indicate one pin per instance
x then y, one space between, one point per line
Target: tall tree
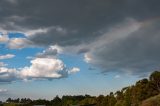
155 80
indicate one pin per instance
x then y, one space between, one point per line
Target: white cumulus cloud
44 68
45 65
74 70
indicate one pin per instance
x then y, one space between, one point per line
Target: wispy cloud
3 90
2 64
117 76
7 56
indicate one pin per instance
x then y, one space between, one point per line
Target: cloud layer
113 35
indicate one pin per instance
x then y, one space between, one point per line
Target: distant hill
152 101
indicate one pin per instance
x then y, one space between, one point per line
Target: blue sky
76 47
84 82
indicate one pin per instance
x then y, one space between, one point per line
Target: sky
76 47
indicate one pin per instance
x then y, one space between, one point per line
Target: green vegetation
135 95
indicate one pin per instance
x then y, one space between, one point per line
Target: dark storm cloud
80 22
81 19
137 53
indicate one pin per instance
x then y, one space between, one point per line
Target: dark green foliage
56 101
1 103
155 80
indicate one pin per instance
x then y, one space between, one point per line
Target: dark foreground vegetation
143 93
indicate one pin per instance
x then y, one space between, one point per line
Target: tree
99 100
155 80
9 100
119 95
127 97
1 103
112 99
56 101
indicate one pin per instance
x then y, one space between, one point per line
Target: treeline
128 96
